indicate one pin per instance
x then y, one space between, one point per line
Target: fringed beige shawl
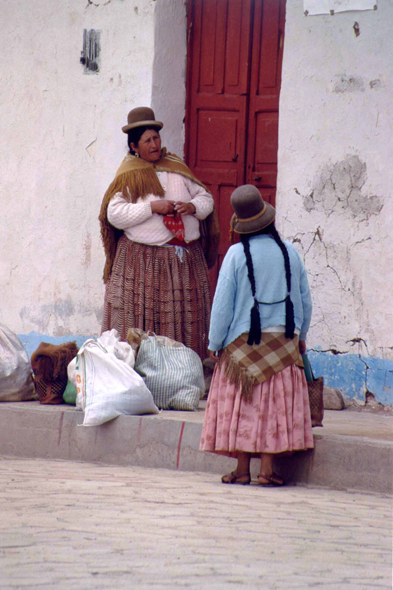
136 178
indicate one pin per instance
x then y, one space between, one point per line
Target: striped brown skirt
151 288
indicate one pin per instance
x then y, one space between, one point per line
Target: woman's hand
185 208
212 355
163 207
302 346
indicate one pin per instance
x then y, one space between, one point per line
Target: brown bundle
49 363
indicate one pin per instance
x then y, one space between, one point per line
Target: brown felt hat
252 213
141 117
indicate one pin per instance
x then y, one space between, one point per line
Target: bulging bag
16 379
108 387
172 372
49 363
110 340
315 393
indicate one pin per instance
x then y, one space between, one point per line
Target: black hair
134 135
254 335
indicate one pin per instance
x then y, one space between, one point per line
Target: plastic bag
16 380
69 395
110 340
108 387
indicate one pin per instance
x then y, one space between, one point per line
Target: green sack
69 395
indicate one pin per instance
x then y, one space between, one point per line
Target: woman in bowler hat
258 402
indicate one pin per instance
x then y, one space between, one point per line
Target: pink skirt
277 420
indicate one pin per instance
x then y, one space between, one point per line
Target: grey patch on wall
90 54
62 310
375 84
349 84
57 315
339 186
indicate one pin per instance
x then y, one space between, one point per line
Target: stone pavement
354 450
81 526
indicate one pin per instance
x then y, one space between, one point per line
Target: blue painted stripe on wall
350 373
355 374
32 340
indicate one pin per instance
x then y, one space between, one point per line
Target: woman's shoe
234 478
270 480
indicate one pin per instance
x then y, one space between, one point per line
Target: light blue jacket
233 299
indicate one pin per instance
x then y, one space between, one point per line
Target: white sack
110 340
108 387
16 381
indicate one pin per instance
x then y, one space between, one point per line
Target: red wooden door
234 65
266 62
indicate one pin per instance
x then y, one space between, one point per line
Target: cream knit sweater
141 225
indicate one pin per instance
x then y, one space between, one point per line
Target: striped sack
173 374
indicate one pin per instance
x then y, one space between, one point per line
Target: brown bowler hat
252 213
141 117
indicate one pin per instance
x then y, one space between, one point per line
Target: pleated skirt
276 420
152 288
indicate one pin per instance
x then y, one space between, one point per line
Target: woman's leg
266 464
243 463
241 474
267 475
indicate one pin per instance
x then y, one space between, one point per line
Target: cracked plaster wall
335 183
61 145
169 71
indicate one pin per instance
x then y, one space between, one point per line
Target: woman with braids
156 271
258 402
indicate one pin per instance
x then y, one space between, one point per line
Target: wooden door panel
218 101
216 177
266 140
217 113
238 47
210 22
217 136
266 147
233 83
269 21
268 74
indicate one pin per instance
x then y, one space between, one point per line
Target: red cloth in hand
175 225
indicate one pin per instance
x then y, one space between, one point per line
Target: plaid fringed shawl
136 178
246 365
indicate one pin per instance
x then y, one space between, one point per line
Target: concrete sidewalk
353 450
83 526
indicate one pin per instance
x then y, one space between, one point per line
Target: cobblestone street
86 526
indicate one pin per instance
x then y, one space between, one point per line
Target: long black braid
255 325
254 334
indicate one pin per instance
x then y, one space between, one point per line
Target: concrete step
353 450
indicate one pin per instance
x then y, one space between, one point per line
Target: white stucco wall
169 71
61 144
335 178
